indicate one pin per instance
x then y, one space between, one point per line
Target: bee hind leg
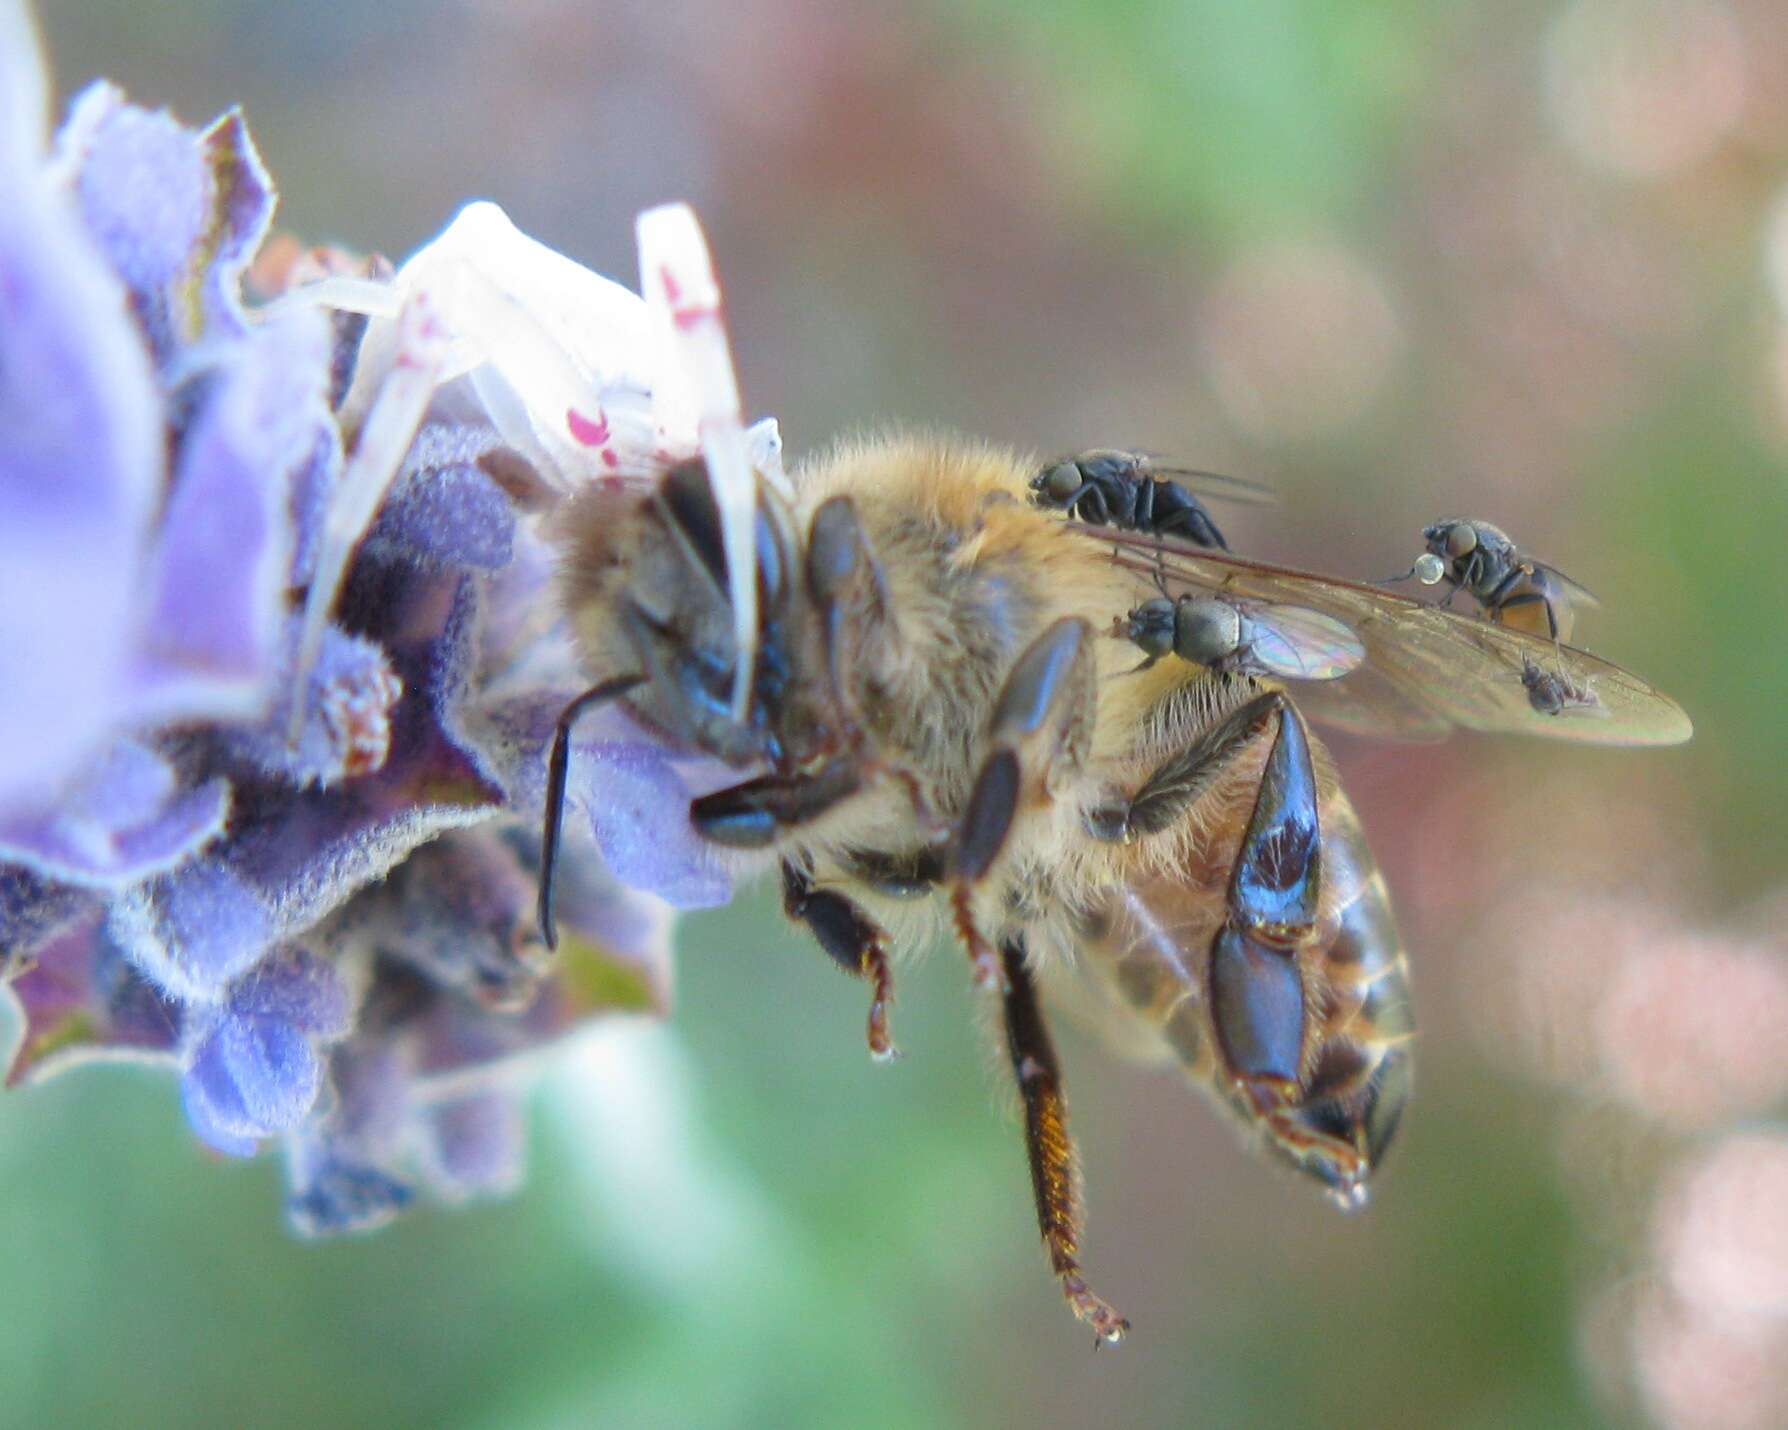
1260 1006
1042 721
1184 778
1051 1150
852 940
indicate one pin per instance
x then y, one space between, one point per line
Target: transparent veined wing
1426 670
1295 643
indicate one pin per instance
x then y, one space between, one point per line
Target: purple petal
79 476
22 90
194 930
638 807
249 1077
444 508
241 213
79 1000
218 573
330 1196
462 910
123 820
298 988
634 793
476 1146
214 1113
308 505
143 188
33 911
372 1098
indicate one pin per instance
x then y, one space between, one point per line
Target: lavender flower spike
280 654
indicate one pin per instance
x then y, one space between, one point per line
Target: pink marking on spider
609 459
687 318
684 315
590 434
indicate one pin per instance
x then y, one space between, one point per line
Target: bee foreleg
751 815
1043 719
1054 1178
558 766
850 594
852 940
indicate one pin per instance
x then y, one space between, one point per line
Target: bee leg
1183 779
557 767
1259 1000
751 815
850 594
1043 719
1046 1140
846 586
852 940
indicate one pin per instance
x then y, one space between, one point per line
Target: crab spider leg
385 436
677 280
370 296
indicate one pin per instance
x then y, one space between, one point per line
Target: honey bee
932 730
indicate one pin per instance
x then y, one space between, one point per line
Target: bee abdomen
1162 942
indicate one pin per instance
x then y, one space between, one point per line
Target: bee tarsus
1054 1179
853 940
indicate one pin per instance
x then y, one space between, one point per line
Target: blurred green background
1526 261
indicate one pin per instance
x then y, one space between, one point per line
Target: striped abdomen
1344 1000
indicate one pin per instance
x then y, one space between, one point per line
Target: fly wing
1242 490
1426 669
1579 594
1299 644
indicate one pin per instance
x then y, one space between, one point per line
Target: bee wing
1300 644
1426 670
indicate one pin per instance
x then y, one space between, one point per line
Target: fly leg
851 939
1054 1177
1041 723
1521 588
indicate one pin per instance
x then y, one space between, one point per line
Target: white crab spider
584 378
